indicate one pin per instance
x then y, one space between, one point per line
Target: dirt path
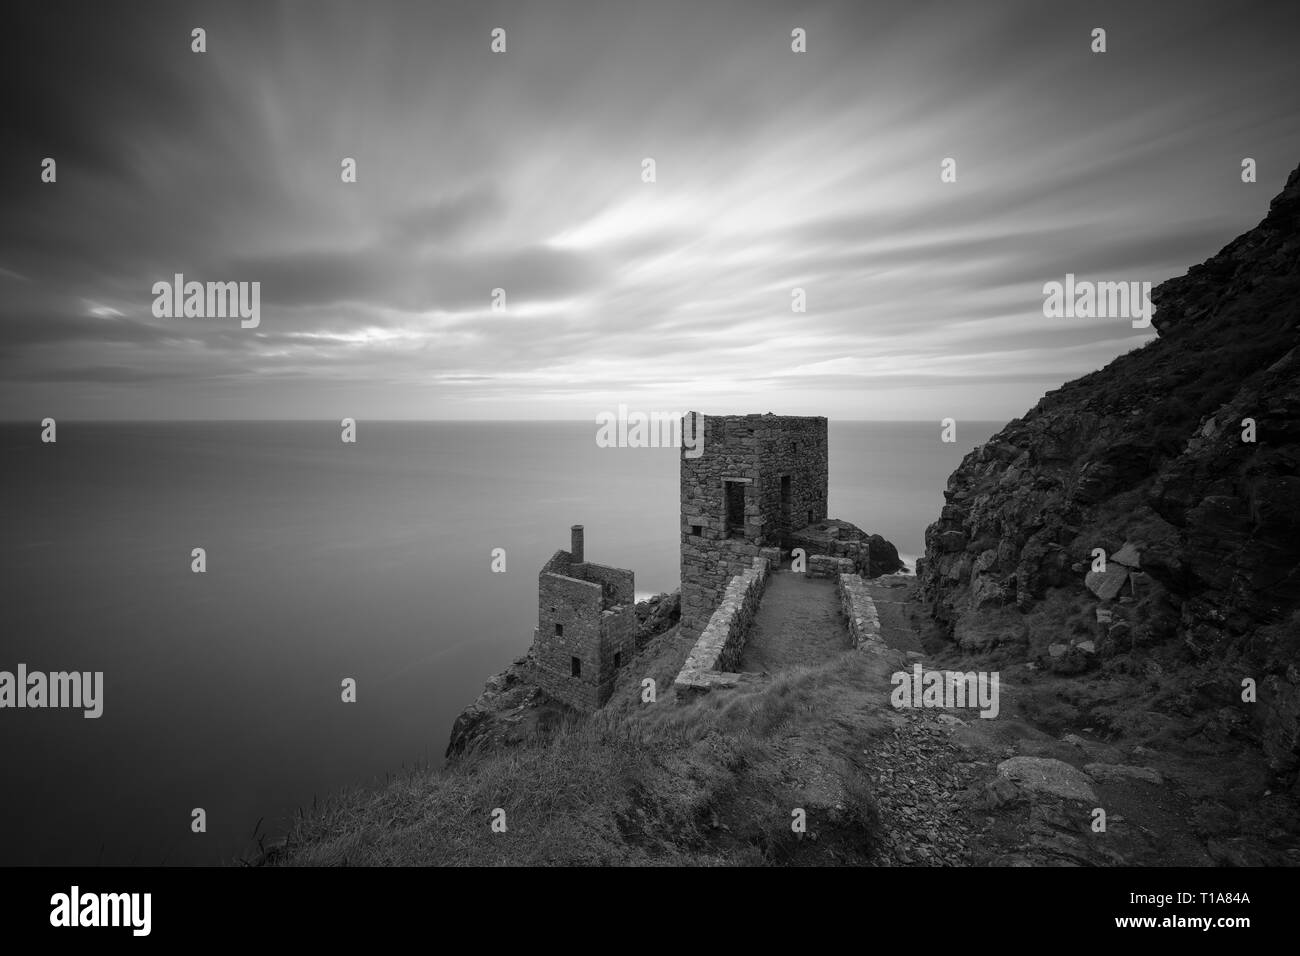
798 622
895 604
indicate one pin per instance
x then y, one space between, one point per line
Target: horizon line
429 421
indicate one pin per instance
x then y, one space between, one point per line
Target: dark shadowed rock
1108 772
656 615
870 553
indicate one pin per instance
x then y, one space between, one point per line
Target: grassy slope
713 782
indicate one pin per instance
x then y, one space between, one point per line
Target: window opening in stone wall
735 493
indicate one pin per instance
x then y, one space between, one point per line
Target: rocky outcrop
656 615
871 554
1180 461
502 714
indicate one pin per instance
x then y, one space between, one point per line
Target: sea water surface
325 561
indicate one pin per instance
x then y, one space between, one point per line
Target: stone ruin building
586 626
754 496
753 489
760 479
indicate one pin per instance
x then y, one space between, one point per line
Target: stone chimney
575 545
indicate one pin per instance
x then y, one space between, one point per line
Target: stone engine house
758 480
586 626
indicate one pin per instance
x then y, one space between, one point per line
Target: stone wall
864 624
707 567
618 584
576 606
753 453
717 653
618 646
826 566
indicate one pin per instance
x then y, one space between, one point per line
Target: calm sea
324 561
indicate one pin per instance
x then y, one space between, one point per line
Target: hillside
1146 460
709 783
717 781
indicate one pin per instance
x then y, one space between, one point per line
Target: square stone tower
759 479
586 626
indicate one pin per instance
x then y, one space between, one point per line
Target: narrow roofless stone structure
586 626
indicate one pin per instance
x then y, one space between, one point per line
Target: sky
523 171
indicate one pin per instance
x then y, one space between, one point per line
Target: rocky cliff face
1149 459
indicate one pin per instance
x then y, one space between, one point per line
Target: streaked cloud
522 172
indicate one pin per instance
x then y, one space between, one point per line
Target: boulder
1045 775
1127 556
1067 659
1107 584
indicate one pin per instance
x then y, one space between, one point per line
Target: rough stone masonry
760 479
586 626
